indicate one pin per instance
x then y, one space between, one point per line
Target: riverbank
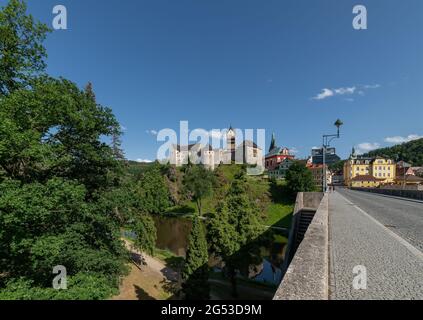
158 280
155 280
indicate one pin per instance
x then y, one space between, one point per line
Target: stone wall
411 194
415 187
307 277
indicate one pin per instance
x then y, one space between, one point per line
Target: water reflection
173 232
269 274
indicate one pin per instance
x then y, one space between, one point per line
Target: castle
245 153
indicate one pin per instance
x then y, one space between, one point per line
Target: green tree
130 212
196 270
89 91
53 130
22 53
153 193
337 167
55 172
411 152
63 196
48 224
82 286
299 179
199 181
117 146
234 230
145 229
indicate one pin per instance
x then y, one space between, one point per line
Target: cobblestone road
359 237
404 217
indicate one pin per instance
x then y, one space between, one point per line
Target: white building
247 152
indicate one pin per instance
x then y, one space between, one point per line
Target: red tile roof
366 178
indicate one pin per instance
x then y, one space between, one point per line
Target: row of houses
278 160
358 171
373 172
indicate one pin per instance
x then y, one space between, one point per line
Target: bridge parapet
307 276
403 193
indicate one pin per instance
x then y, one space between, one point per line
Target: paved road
402 216
358 237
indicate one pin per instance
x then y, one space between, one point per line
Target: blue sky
250 63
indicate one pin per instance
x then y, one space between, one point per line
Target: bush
299 179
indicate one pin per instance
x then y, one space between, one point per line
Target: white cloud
367 146
144 161
327 93
371 86
342 91
294 150
152 132
399 139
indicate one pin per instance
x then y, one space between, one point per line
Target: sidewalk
394 267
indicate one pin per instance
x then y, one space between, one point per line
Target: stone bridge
354 245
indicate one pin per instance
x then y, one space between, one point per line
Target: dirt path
153 281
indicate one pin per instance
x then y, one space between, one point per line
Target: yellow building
366 181
368 172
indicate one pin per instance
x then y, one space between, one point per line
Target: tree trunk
199 206
232 276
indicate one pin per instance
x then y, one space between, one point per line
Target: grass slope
275 206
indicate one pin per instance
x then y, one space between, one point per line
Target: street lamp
327 139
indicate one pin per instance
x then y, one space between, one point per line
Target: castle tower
231 142
353 154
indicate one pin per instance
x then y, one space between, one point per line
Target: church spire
353 153
273 143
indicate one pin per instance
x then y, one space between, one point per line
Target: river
173 232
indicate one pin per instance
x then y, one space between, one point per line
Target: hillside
274 204
137 168
411 152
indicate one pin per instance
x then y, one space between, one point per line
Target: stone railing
410 194
310 200
307 277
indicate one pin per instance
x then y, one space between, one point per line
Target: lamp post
327 139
